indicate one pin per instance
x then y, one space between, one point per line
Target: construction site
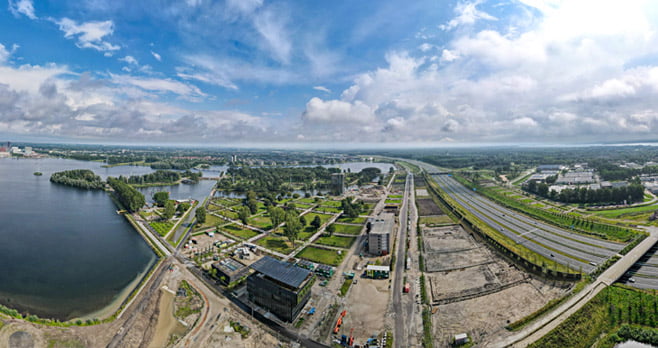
475 291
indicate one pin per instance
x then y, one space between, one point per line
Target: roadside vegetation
130 198
616 314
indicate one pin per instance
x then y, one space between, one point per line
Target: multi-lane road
565 247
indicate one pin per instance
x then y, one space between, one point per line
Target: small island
80 178
38 173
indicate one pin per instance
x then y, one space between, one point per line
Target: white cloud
159 85
89 34
156 56
336 111
424 47
550 75
24 7
129 60
5 54
271 25
448 56
322 89
244 6
467 14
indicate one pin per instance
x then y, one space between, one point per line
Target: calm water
64 252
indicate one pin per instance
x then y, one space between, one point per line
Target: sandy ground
366 308
167 324
485 317
503 293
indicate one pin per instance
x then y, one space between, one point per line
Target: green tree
161 198
331 229
302 220
243 215
292 228
183 207
169 210
200 215
277 215
317 222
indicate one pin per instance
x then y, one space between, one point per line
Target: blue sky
258 71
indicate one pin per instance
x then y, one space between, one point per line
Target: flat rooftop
229 265
284 272
383 224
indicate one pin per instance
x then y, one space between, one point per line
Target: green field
395 196
336 241
229 214
441 219
310 216
211 221
227 202
332 203
162 227
393 201
356 220
276 243
239 232
627 213
326 209
347 229
324 256
261 221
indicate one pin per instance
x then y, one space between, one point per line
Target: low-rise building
230 270
378 272
280 287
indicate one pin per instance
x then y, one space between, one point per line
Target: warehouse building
379 234
280 287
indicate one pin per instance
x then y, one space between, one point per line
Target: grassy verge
347 229
346 286
239 232
614 308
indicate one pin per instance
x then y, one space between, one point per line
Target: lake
65 252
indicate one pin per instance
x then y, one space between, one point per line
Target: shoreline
116 305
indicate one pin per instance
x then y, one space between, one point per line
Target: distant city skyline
252 73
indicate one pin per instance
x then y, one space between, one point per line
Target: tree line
608 195
160 176
132 199
81 178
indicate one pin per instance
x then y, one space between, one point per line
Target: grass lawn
162 227
393 201
347 229
229 214
237 231
345 287
211 221
356 220
307 200
326 209
332 203
310 216
324 256
306 233
628 213
227 202
336 241
213 207
441 219
261 221
303 206
276 243
395 196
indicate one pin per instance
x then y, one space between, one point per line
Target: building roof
283 272
229 265
378 268
383 224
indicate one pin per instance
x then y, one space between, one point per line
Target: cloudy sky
340 71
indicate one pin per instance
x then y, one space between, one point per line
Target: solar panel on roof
281 271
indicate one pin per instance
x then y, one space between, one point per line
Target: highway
644 272
568 248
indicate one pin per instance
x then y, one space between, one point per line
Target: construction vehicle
350 341
339 321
